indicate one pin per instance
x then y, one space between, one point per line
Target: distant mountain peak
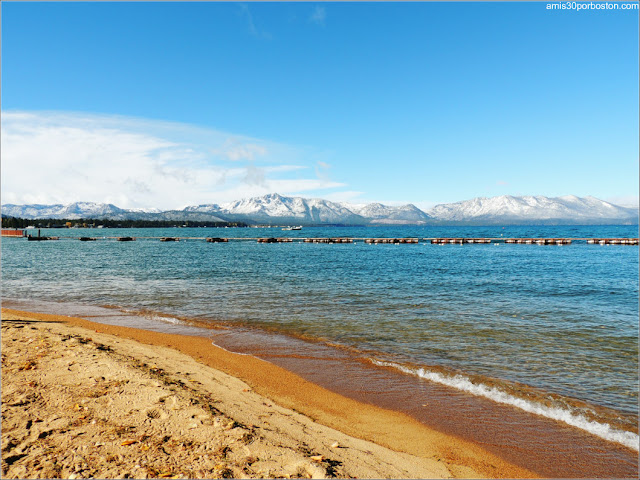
273 207
533 209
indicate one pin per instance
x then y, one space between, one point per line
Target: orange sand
393 430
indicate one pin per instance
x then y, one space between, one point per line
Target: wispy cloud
630 201
318 16
235 150
322 170
349 196
255 176
253 30
59 157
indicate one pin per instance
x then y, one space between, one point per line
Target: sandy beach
81 399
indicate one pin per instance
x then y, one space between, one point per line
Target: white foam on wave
153 316
161 318
231 351
459 382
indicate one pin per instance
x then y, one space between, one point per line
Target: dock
12 232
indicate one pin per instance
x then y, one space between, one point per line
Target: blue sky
170 104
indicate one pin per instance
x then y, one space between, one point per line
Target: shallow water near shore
548 329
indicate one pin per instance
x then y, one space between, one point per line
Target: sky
164 105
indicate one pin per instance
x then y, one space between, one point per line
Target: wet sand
84 399
548 447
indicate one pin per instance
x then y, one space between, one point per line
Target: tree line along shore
15 222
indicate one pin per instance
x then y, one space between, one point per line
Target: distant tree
13 222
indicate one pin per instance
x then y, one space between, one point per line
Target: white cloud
58 157
299 186
255 176
630 201
319 15
322 170
234 150
349 196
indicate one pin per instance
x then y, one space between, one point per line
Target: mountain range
277 209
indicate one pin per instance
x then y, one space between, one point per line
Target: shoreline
422 448
536 445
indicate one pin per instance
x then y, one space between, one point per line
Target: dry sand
81 399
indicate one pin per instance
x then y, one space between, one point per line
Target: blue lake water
560 319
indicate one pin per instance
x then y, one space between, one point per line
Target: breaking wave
459 382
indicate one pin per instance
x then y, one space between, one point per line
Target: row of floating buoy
270 240
539 241
434 241
329 240
613 241
391 240
32 238
119 239
458 241
217 240
316 240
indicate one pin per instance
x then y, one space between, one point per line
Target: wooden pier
32 238
11 232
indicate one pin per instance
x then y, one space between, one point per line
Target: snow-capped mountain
382 214
208 208
70 211
274 206
278 209
534 209
100 211
144 210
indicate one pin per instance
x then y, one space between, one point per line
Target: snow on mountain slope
144 210
271 205
531 208
84 209
277 208
383 214
315 210
78 210
207 208
325 211
30 211
70 211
